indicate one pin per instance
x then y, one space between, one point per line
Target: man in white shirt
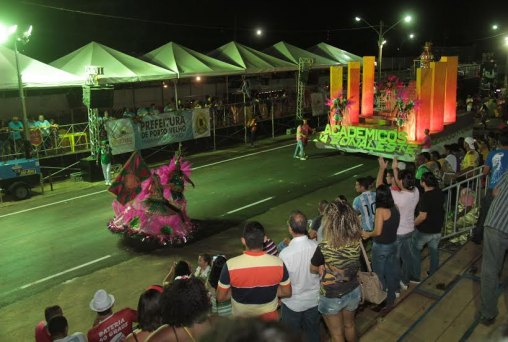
300 311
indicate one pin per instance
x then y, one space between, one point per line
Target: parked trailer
19 176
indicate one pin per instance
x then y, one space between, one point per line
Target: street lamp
5 33
381 41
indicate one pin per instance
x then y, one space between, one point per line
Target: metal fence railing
59 139
462 206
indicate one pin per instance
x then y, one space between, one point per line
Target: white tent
118 66
34 74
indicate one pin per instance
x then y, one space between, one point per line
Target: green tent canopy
118 66
291 53
334 53
186 62
34 74
250 60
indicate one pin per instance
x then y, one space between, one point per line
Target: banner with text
127 135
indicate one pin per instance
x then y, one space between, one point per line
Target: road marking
67 271
50 204
240 157
248 205
98 192
346 170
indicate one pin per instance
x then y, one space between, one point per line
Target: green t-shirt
106 155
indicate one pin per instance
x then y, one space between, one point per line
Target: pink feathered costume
149 217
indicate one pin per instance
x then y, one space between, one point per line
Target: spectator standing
109 326
4 140
105 156
300 138
471 158
384 248
316 227
469 103
337 260
41 329
300 311
149 314
451 156
307 132
222 309
429 224
204 267
495 166
45 128
365 203
16 138
252 126
254 281
406 199
495 245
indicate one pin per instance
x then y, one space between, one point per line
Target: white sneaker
397 294
402 285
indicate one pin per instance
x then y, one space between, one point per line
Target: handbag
371 287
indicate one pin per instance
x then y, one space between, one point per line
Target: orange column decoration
336 79
368 86
353 92
438 96
424 95
450 108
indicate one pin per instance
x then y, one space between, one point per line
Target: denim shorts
332 306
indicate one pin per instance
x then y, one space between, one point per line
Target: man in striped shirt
254 280
365 203
495 245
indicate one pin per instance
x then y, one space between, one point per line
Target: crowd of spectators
312 274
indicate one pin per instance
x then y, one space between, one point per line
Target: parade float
389 118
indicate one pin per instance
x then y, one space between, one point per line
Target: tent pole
227 89
273 120
213 123
176 93
162 95
244 118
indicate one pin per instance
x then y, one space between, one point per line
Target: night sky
205 25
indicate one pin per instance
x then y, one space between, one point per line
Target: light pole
506 66
4 36
381 41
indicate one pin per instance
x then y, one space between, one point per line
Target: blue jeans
495 244
419 241
404 257
384 264
306 322
299 151
348 302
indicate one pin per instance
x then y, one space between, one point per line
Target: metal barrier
462 206
62 139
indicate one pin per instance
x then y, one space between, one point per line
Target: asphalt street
48 241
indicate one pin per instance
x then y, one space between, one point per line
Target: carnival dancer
150 204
